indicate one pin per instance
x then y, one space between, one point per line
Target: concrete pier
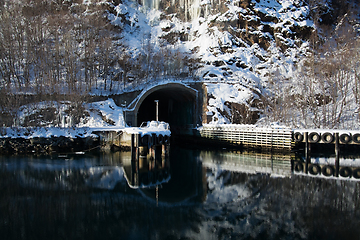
151 133
147 164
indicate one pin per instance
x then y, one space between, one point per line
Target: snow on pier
150 133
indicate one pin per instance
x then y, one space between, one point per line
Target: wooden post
133 147
337 155
307 152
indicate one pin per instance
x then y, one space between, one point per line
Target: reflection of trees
327 207
299 207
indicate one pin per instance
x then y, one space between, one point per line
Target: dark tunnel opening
176 107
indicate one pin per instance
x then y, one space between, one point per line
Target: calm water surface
204 195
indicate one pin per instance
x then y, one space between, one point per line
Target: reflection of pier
249 162
147 164
141 171
282 165
326 170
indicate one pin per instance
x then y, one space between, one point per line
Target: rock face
47 145
245 42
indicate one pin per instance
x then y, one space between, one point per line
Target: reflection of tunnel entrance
176 106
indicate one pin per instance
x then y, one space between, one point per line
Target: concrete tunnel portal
177 105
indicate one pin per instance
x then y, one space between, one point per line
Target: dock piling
307 152
337 154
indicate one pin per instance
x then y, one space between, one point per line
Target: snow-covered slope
226 40
263 48
241 43
47 119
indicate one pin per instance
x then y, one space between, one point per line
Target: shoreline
47 145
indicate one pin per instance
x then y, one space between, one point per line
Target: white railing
249 135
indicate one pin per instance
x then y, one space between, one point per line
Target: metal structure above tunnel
178 104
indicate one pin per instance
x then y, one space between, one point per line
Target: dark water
209 195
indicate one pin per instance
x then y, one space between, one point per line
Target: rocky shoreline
48 145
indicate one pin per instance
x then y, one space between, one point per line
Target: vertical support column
158 154
307 152
143 152
135 158
163 150
133 148
152 151
157 110
337 154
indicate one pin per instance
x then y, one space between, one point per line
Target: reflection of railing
249 162
249 135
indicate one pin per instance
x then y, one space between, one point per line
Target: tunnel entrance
176 107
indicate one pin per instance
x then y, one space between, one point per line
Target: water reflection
70 172
209 195
248 162
325 166
144 172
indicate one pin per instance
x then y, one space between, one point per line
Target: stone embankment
47 145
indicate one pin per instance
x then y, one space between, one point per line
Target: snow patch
223 92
